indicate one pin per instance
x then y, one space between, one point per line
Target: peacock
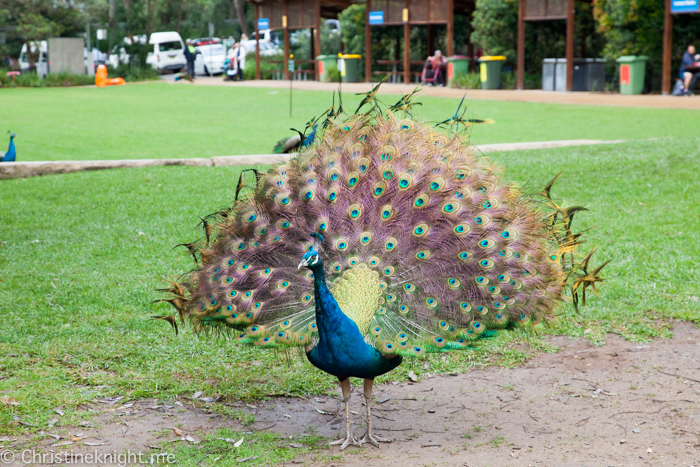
11 153
384 239
185 76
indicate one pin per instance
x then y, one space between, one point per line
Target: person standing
190 55
239 53
690 71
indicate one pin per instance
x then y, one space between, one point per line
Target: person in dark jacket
689 72
190 55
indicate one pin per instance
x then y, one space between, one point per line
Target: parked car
209 59
205 41
168 51
267 48
24 58
269 36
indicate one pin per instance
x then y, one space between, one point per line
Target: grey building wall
66 54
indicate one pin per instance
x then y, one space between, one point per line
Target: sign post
263 23
685 6
290 67
376 18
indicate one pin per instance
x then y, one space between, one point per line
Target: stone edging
35 168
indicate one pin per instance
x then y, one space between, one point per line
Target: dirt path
622 404
530 95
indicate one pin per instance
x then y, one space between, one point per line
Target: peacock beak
303 263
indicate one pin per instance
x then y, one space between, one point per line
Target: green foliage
32 80
268 69
333 76
495 25
466 81
636 28
352 26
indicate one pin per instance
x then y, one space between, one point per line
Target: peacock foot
374 439
345 442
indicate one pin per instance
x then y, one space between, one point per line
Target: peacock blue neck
341 349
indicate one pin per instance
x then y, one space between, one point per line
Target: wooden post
520 83
430 39
570 45
285 24
406 44
317 37
450 28
668 43
257 42
312 44
368 44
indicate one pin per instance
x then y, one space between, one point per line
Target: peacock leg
348 440
369 436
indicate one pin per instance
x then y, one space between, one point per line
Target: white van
43 55
168 51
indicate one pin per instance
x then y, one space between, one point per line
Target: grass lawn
82 253
157 120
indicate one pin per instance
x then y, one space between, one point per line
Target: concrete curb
10 170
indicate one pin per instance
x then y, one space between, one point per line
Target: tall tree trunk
111 13
179 18
127 7
241 16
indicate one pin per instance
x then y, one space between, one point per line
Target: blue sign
263 23
376 17
685 6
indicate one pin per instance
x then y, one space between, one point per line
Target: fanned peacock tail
426 247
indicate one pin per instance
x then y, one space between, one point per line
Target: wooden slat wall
420 11
273 10
545 9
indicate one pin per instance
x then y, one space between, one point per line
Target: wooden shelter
288 15
409 13
547 10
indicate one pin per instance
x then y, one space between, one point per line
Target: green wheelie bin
457 65
490 67
632 71
348 66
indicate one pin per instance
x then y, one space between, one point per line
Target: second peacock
383 239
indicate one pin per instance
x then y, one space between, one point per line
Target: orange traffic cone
101 79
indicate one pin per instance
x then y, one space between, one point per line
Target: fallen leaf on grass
412 376
94 444
52 422
178 432
7 400
197 395
247 459
58 411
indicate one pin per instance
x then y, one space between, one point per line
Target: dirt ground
622 404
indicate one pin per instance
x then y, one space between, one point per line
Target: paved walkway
586 98
35 168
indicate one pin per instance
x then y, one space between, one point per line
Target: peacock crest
424 244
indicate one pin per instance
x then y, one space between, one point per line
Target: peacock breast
358 294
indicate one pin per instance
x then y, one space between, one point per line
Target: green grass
82 253
158 120
257 449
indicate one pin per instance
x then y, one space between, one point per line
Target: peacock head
311 260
